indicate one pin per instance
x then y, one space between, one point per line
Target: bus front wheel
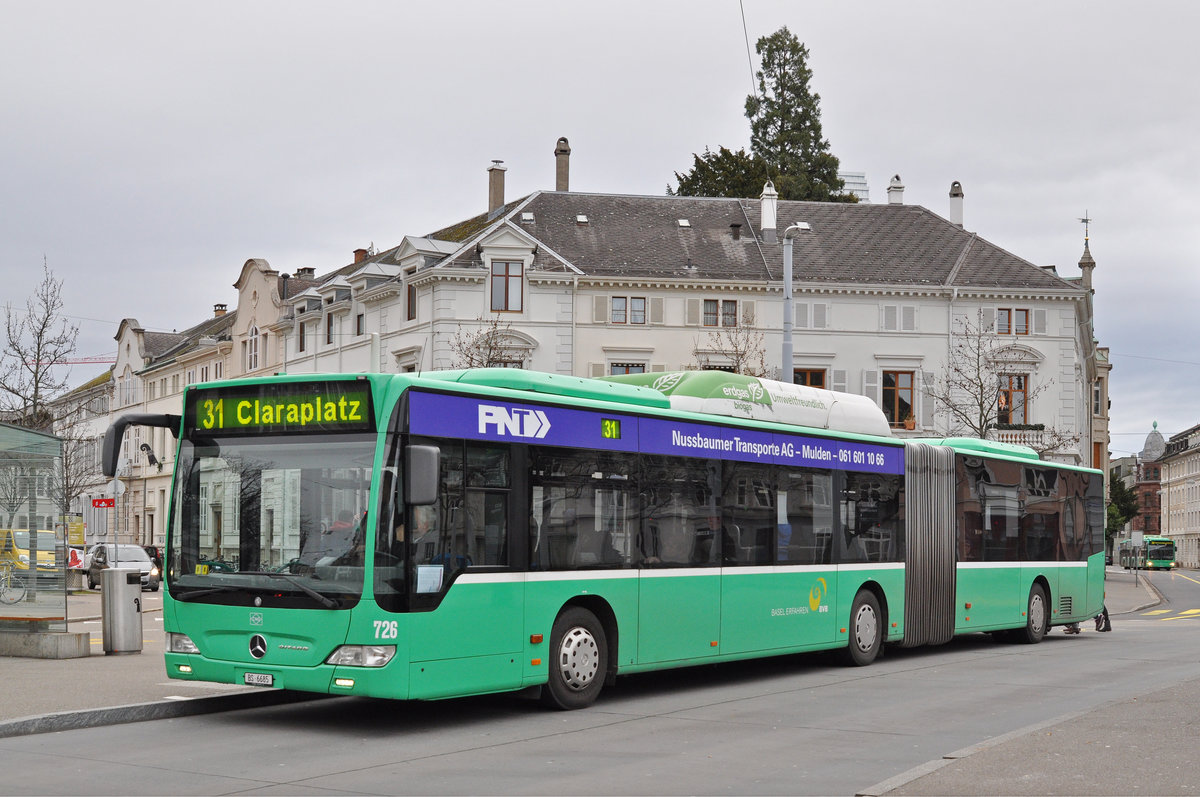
866 630
1036 618
578 660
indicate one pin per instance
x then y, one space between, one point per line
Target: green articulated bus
1153 553
466 532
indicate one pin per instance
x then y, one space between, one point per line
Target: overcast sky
148 149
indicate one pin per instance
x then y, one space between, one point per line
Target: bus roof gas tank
738 396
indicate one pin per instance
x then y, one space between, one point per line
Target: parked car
108 555
156 555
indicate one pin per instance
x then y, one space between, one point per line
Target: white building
593 284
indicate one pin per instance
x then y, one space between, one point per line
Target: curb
1155 598
929 767
141 712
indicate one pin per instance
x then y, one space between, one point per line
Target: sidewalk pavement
45 695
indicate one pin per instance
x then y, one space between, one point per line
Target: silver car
108 555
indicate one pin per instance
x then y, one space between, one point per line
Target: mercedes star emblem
258 646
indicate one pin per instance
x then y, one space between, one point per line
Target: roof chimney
956 203
307 272
1086 264
896 191
495 187
562 165
769 201
735 229
218 310
360 255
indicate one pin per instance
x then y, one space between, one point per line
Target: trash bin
121 610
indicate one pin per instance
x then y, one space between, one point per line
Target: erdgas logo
667 381
513 422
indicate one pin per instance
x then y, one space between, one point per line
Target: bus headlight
180 643
362 655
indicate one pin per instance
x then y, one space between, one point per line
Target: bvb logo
816 594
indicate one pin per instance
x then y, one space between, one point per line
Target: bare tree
78 466
488 344
38 340
13 485
739 348
983 374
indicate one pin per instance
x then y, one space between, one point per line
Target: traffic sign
103 503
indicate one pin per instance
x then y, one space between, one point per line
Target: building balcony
1032 435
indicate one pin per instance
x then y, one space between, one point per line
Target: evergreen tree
786 143
1122 507
723 173
785 121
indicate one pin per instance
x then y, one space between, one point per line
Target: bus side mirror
421 469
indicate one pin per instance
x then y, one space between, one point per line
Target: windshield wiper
201 592
324 600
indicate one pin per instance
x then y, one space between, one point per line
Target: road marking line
1189 578
1157 611
1190 611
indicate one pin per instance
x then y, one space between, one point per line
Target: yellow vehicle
14 548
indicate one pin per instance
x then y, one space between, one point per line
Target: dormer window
507 286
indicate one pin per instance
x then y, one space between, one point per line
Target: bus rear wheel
578 660
1036 617
866 630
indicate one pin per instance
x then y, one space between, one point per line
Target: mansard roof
625 236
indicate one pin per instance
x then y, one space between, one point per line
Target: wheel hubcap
578 658
866 628
1037 614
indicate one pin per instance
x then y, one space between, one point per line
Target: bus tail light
362 655
181 643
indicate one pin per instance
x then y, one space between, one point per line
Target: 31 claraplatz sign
442 415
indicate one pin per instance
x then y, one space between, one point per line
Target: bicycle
12 586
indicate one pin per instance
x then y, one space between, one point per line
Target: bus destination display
286 407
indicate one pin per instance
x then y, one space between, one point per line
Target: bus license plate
259 679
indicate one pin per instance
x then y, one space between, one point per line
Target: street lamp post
787 373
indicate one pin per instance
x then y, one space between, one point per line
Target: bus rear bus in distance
490 530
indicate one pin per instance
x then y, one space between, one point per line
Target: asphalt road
793 725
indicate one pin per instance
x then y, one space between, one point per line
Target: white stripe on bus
998 565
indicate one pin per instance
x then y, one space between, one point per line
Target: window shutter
656 310
656 368
820 315
908 318
928 405
600 309
887 318
801 315
839 381
1039 322
747 312
596 370
693 313
871 384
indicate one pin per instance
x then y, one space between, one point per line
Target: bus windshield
1160 550
275 520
